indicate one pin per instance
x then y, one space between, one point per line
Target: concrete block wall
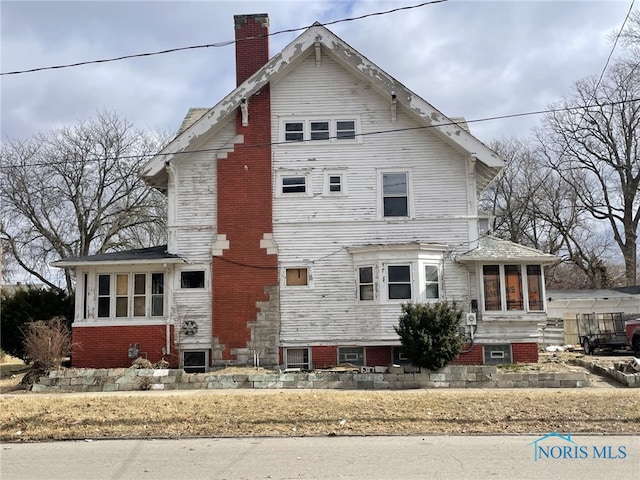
453 376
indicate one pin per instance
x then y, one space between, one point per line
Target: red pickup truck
632 330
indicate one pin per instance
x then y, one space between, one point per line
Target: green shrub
430 333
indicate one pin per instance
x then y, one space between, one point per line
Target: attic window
346 130
319 130
294 131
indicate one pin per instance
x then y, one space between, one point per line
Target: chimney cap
261 18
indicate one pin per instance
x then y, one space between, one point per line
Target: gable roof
492 249
141 255
488 163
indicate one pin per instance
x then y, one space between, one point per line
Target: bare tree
75 191
532 205
596 151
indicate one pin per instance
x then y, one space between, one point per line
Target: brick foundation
378 356
324 357
524 352
108 347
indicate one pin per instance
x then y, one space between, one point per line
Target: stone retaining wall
453 376
627 379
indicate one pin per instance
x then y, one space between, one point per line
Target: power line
378 132
615 42
217 44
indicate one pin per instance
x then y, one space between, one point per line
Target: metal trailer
601 330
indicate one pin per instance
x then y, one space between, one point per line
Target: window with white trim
294 131
506 288
126 295
399 282
345 130
432 282
321 130
395 194
293 184
192 279
296 277
366 291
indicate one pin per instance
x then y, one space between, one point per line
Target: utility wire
217 44
379 132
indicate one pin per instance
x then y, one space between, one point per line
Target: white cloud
474 59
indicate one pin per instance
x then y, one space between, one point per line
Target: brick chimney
252 44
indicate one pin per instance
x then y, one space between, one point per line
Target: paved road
370 458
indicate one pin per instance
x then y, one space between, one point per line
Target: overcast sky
474 59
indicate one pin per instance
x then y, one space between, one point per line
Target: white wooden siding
314 230
194 199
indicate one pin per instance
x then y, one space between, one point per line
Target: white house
303 209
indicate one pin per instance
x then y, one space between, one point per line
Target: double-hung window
125 295
432 285
294 184
365 284
399 282
395 194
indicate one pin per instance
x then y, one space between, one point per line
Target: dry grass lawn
297 413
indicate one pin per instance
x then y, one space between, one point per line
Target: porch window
513 281
131 295
104 295
534 284
492 294
506 288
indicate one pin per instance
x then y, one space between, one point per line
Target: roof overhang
488 162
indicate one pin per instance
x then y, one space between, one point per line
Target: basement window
194 361
497 354
297 358
352 355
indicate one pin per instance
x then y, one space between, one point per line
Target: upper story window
346 130
319 130
294 184
324 130
294 131
395 194
130 295
192 279
506 288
